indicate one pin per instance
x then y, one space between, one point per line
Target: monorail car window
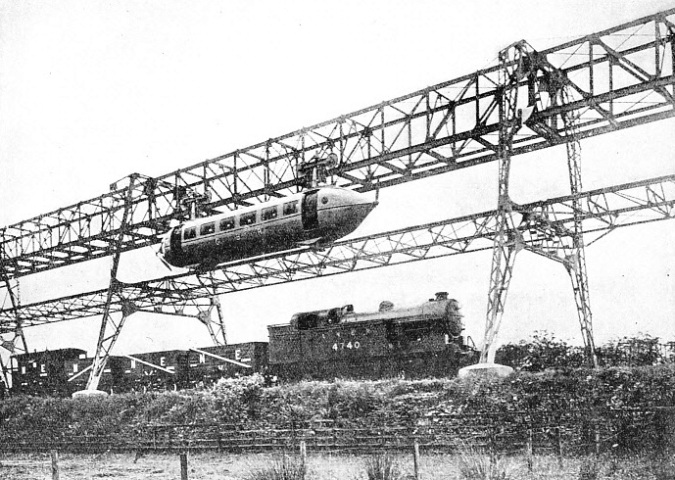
207 228
227 224
190 233
291 207
269 213
247 219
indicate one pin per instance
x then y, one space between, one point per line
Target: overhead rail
544 227
618 78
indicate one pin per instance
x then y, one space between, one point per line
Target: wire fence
559 433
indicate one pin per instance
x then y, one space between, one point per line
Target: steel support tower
531 84
113 321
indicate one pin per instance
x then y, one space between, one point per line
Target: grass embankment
247 403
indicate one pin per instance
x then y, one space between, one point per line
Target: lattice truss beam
545 227
619 78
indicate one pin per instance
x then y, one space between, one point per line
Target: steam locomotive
421 341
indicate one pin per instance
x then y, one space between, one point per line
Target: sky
91 91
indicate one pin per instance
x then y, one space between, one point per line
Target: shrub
542 351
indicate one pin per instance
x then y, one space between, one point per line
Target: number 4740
349 345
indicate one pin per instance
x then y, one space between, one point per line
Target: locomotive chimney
386 306
441 296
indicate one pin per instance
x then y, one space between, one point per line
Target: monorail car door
175 248
175 240
310 219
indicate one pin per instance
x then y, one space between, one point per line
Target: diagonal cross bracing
621 77
623 205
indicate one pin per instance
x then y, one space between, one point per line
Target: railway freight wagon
44 373
208 364
422 341
65 371
59 372
154 371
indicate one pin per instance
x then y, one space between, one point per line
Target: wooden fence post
529 450
303 453
55 464
183 466
560 447
416 459
492 439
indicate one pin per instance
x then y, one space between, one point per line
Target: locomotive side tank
316 216
421 341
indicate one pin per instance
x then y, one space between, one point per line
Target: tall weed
382 467
284 468
476 464
589 469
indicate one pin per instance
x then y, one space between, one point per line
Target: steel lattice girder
603 210
620 77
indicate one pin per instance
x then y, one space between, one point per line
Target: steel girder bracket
215 326
110 325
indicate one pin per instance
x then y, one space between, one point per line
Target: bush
542 351
583 398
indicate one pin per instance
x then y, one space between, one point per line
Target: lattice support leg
15 344
576 264
503 261
565 247
515 66
112 322
576 267
110 330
